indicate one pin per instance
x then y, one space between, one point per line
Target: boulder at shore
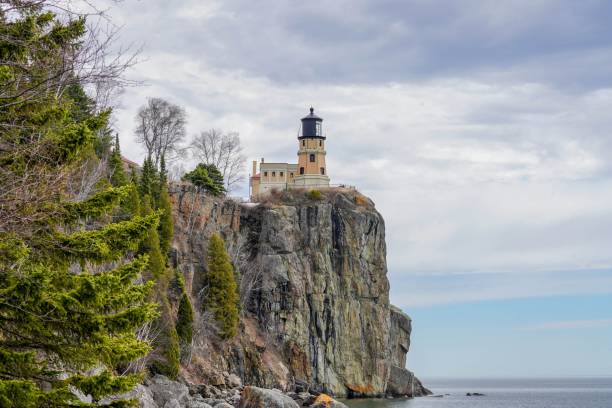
255 397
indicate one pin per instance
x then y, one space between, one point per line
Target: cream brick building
310 170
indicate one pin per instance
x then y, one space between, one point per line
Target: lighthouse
312 171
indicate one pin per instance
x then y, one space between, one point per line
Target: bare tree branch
93 63
161 130
224 151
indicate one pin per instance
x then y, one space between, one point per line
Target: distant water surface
510 393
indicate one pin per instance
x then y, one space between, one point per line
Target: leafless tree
176 172
224 151
82 182
93 62
161 129
147 333
96 63
205 334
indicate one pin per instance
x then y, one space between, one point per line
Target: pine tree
84 106
216 177
115 166
167 342
68 298
131 205
150 247
148 179
221 296
210 181
166 225
184 322
163 172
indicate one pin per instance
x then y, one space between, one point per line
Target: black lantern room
312 126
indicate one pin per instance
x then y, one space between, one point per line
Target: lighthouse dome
312 126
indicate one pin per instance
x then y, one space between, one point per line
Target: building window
301 170
312 158
282 174
290 174
322 171
303 143
319 129
265 174
273 174
320 143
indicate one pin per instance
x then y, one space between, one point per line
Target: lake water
511 393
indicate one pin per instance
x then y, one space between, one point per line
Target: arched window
322 171
312 158
301 170
303 143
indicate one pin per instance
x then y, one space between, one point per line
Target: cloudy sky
481 129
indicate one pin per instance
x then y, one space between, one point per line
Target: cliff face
315 295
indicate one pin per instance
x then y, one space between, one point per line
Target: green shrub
167 343
315 195
208 177
184 323
221 296
150 247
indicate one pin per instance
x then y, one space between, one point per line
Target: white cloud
570 325
411 292
492 170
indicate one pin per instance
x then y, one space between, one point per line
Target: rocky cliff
314 293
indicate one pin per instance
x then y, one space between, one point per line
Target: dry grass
301 196
363 201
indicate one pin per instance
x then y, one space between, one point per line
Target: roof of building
129 162
312 115
274 164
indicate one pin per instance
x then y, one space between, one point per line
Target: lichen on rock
316 313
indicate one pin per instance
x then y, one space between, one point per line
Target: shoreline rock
161 392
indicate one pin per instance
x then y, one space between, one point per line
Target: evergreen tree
150 247
216 176
221 296
167 342
148 179
201 178
68 298
115 166
166 226
184 322
131 205
82 107
163 172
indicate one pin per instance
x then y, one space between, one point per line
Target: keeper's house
310 170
